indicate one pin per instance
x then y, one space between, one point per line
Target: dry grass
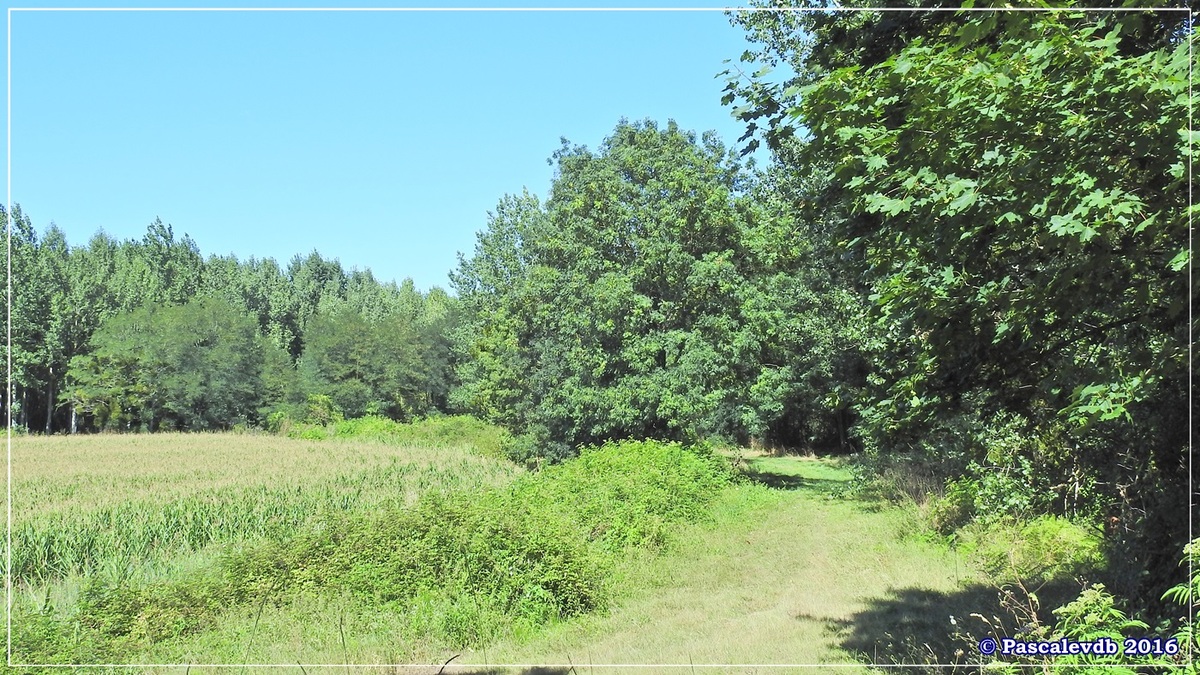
61 473
112 501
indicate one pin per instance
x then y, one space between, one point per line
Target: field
151 549
130 503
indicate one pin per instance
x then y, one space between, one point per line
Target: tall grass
457 567
430 432
116 503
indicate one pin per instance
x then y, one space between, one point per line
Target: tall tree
28 308
1015 198
629 304
193 366
368 367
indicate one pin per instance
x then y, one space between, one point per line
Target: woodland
966 265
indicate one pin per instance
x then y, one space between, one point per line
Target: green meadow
380 544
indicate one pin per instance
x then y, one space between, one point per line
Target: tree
194 366
368 368
1014 196
28 308
637 302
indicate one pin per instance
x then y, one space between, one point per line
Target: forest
966 267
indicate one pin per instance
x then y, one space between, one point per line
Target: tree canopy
645 298
1013 196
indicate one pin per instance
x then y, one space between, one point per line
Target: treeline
147 335
1010 192
662 291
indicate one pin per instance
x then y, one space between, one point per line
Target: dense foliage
1014 200
148 334
968 258
193 366
653 295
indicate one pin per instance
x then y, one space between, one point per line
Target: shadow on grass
792 477
912 626
534 670
784 481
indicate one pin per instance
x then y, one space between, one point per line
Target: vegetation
128 506
967 263
1022 241
652 296
467 560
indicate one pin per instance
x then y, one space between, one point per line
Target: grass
781 576
679 565
464 564
145 508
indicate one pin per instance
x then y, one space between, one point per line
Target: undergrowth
430 432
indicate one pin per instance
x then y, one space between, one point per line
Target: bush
955 508
629 493
1042 549
433 432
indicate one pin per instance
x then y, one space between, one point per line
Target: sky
381 139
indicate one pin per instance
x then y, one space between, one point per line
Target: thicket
1009 192
464 568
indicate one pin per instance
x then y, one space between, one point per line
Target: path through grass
781 578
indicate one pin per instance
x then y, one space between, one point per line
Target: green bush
1042 549
629 493
433 432
955 508
154 612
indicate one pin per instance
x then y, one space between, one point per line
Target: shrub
432 432
628 493
320 409
955 508
1042 549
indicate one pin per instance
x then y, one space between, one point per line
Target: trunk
50 401
74 421
24 416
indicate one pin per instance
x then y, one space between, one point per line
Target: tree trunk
74 421
50 401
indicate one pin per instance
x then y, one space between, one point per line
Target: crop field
128 503
373 546
139 509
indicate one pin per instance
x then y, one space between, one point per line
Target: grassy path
790 575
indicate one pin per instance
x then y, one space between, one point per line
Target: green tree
193 366
367 368
640 301
28 308
1014 196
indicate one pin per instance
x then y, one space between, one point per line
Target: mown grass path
792 575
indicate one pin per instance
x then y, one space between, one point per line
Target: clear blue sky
378 138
